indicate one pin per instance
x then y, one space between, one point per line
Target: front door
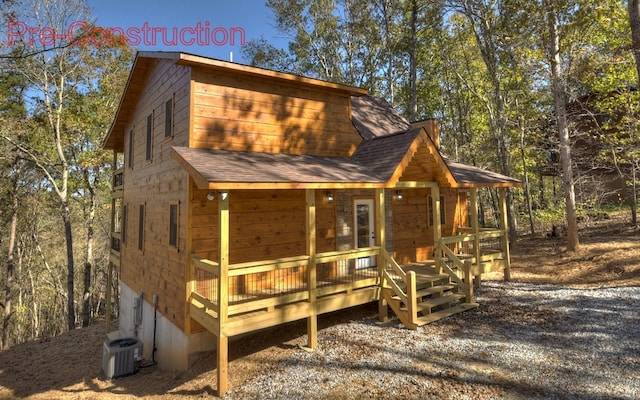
364 230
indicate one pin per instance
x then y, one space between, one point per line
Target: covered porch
231 298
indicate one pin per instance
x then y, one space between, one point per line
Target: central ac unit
121 357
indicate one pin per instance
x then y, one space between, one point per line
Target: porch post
437 228
312 319
222 348
504 227
475 224
383 310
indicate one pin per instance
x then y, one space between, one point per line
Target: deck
267 293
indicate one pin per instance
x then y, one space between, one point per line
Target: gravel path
523 342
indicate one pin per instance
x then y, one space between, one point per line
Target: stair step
435 316
431 290
438 301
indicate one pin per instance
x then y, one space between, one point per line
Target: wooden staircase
418 295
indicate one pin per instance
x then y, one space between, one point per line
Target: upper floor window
149 136
168 118
130 150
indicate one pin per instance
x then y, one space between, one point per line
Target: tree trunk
413 64
573 242
13 226
66 218
527 189
634 193
88 262
634 20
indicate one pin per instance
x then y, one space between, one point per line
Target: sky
212 28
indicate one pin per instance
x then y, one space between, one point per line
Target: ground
69 366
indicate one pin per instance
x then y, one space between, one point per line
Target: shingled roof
222 167
375 117
388 140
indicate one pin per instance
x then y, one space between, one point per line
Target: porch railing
263 285
393 278
118 179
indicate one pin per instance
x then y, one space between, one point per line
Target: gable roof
388 147
145 60
390 143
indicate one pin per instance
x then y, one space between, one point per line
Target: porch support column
437 227
475 225
380 221
504 227
222 348
312 319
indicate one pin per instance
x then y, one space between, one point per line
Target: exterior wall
413 226
264 224
174 348
241 112
344 217
413 236
157 268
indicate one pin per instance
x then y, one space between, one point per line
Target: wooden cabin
245 198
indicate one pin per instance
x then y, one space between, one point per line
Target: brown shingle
374 117
245 167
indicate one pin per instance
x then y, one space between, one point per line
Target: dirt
69 366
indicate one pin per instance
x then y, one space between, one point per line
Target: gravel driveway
523 342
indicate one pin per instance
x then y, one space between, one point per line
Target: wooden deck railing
263 285
392 274
458 269
118 179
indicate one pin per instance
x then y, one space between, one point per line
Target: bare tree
559 99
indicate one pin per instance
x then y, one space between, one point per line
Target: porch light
329 197
398 195
211 196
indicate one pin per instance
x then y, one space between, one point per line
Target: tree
558 88
61 74
633 7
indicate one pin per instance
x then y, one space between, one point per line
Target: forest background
544 91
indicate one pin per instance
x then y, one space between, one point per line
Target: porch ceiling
222 169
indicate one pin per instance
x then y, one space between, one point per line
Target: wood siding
264 224
424 168
158 268
412 230
240 112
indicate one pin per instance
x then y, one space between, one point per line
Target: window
173 225
141 228
130 149
149 136
123 229
442 214
168 118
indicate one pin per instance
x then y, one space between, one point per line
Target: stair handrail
409 278
466 283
